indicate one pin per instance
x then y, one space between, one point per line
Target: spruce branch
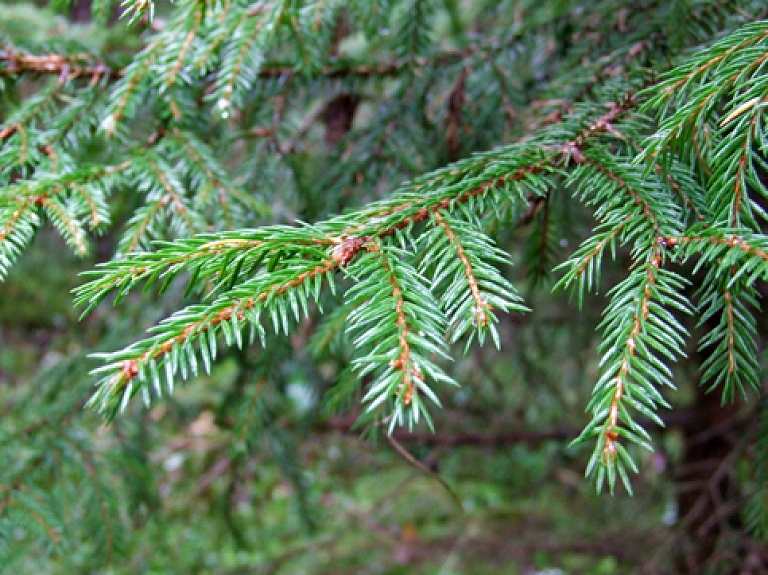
124 98
219 115
401 332
197 11
108 539
472 183
27 114
71 201
735 260
472 288
136 10
213 190
739 248
172 345
15 61
166 202
33 509
711 107
218 259
243 55
640 336
732 364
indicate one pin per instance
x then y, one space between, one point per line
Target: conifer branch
107 515
197 20
34 508
418 269
349 239
632 364
14 62
481 308
70 200
171 346
123 95
38 105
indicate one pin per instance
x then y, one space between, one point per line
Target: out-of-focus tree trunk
80 11
704 485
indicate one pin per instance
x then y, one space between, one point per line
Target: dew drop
108 123
223 105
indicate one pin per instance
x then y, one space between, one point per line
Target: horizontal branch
500 437
13 62
68 66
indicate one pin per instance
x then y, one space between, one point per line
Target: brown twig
69 66
405 454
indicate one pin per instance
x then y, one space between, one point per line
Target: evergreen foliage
356 171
